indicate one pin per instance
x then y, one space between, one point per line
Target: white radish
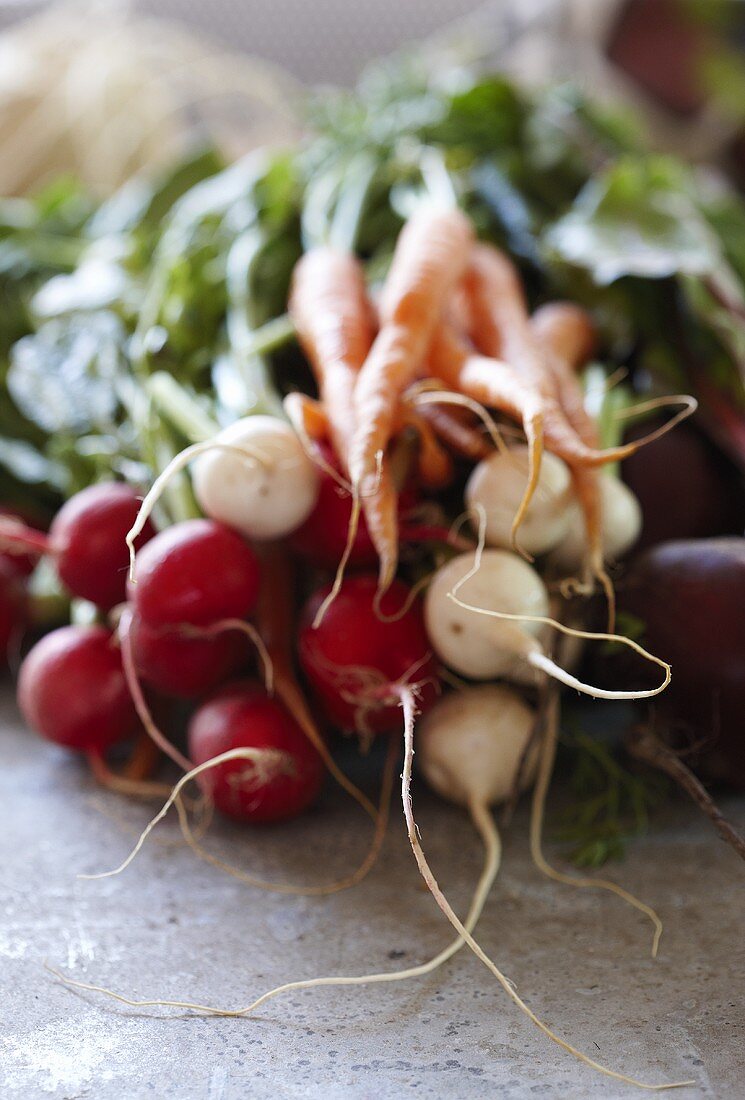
253 476
484 612
471 744
476 646
498 484
621 524
268 493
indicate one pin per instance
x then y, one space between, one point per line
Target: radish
196 572
322 537
243 716
484 613
478 647
621 526
87 541
13 607
498 484
87 538
265 495
470 745
359 664
185 665
71 689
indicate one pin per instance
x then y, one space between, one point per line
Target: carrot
457 432
275 620
434 464
566 336
501 329
430 258
307 416
334 322
496 384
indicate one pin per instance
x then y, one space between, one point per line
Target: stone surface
173 926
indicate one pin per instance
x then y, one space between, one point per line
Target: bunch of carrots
451 327
447 348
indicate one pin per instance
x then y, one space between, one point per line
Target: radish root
129 667
361 872
536 657
540 791
409 707
174 467
483 822
266 763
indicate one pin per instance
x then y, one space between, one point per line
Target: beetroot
690 595
686 488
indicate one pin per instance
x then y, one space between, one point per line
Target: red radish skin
87 537
195 572
322 539
13 607
186 666
354 660
242 715
71 690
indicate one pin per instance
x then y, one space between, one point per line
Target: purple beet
691 596
686 487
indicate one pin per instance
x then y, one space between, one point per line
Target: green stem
180 408
270 336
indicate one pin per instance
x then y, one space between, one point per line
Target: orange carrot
566 335
307 416
334 322
501 329
496 384
461 435
275 621
431 255
434 464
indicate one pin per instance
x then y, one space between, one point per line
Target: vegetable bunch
339 355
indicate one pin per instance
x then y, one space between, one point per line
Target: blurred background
130 80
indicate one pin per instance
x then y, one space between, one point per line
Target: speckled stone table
176 927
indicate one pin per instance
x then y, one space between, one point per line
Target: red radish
87 540
356 661
184 666
87 536
71 689
242 715
195 572
13 607
322 539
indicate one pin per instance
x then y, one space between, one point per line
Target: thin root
540 791
434 888
536 657
267 763
174 467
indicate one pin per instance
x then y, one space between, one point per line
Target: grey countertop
174 926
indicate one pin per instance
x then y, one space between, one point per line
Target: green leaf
64 378
638 218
